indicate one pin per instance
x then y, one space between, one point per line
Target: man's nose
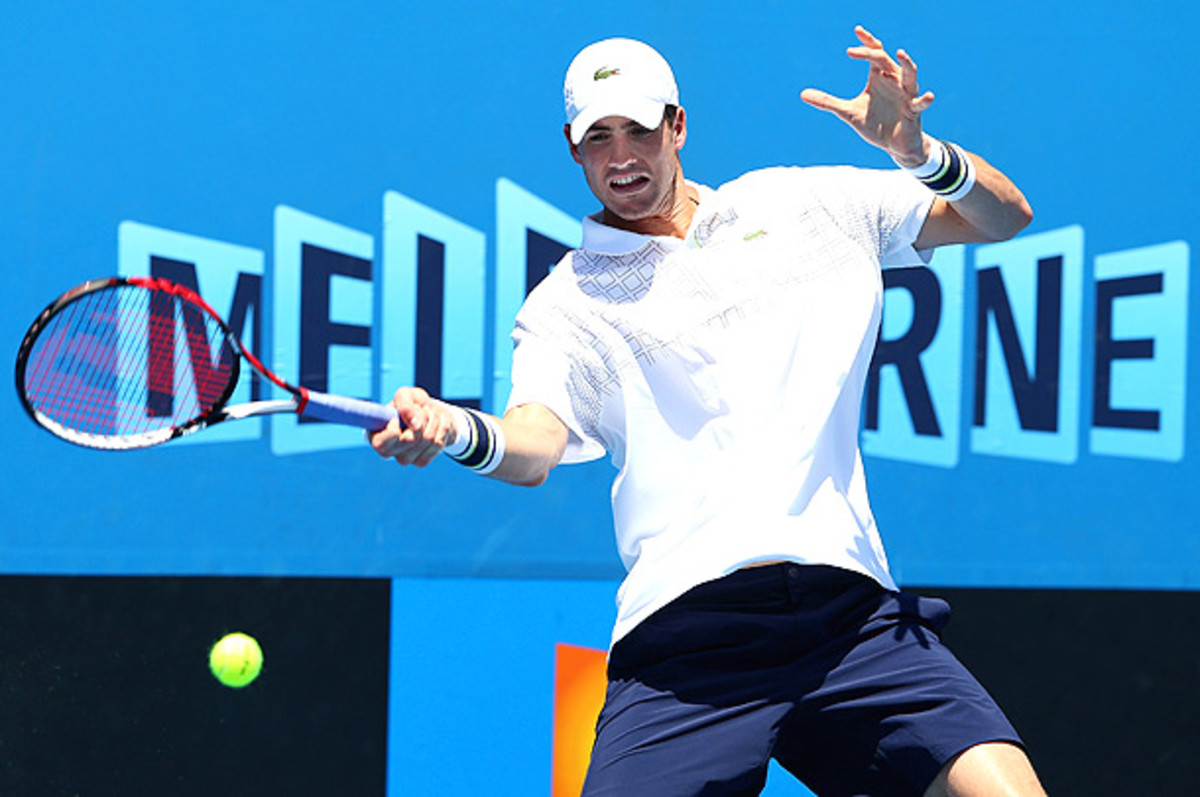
621 153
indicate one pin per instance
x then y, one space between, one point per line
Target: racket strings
127 361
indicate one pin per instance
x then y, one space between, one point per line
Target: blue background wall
229 135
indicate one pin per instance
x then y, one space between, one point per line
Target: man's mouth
628 183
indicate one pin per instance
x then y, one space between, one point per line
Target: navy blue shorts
844 683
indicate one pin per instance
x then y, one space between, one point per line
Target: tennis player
714 343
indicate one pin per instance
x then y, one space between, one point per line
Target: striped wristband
478 441
948 172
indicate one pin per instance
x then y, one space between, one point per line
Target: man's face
631 169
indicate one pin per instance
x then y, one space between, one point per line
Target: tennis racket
130 362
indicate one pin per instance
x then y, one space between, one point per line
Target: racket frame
217 412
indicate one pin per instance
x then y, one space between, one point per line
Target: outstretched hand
888 111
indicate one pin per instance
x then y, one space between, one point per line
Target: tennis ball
236 660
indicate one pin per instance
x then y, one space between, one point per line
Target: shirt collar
602 239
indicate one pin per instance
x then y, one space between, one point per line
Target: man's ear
680 128
574 147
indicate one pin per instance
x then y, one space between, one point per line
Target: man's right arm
531 437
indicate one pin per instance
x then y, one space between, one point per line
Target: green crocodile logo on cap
605 72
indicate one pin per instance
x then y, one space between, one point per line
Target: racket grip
348 411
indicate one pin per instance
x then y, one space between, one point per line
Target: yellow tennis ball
236 660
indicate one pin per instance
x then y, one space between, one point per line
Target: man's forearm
994 207
534 449
976 202
521 448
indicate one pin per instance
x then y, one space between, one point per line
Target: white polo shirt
723 374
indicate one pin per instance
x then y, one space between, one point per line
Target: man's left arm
975 202
994 209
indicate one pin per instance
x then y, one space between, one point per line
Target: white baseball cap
617 77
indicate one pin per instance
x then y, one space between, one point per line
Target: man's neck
674 223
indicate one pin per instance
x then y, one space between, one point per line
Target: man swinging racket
714 343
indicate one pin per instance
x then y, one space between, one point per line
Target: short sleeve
883 210
910 204
542 374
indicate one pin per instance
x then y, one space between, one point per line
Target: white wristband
948 171
462 432
932 164
478 441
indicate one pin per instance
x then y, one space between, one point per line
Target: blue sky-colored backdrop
216 120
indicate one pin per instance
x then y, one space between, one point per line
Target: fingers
866 37
908 72
908 79
390 441
877 56
412 405
418 435
919 104
902 69
871 50
824 101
